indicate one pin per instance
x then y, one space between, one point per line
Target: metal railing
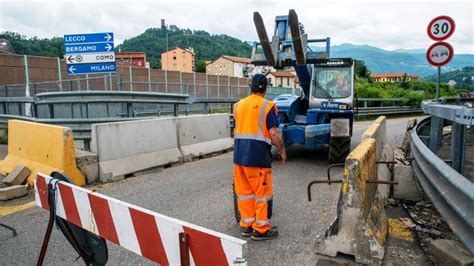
451 192
116 83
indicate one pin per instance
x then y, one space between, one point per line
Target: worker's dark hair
259 84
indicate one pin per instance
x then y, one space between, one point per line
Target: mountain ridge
208 47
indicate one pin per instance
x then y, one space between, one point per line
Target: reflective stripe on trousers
265 199
247 220
247 197
261 223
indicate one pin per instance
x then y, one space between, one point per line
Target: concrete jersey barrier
127 147
360 228
42 148
203 134
378 131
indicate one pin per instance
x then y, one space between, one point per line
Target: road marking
7 210
399 230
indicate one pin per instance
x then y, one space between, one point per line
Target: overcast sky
385 24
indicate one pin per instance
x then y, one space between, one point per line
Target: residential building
231 66
234 66
135 59
6 47
393 77
178 59
286 79
452 83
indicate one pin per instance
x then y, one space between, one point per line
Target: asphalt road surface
200 192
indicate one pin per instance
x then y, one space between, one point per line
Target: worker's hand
282 155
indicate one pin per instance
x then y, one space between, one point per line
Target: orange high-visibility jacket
252 138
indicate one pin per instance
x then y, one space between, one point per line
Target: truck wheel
339 148
236 208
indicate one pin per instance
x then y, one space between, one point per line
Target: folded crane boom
314 119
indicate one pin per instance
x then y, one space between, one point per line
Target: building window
288 82
174 57
184 65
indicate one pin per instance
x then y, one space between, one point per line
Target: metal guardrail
83 99
387 110
109 82
451 193
80 109
459 114
80 103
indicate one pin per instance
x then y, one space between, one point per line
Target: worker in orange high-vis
256 129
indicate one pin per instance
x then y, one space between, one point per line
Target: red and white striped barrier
149 234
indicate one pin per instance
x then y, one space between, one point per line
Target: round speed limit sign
441 28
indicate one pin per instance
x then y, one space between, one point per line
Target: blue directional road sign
89 53
76 69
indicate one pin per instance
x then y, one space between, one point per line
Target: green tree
53 47
361 71
201 66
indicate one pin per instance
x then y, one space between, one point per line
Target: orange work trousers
253 186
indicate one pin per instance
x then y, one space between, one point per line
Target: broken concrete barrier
406 142
88 164
42 148
360 228
12 192
17 176
407 188
384 153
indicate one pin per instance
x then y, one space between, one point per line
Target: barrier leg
49 229
184 249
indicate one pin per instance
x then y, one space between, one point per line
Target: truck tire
339 148
236 207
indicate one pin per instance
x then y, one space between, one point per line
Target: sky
385 24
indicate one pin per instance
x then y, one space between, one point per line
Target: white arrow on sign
108 37
91 58
72 69
108 47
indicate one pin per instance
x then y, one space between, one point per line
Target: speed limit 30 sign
441 28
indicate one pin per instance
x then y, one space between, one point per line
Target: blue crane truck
322 116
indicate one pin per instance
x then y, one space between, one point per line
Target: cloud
385 24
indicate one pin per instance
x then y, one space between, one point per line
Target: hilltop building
234 66
178 59
286 79
135 59
6 47
393 77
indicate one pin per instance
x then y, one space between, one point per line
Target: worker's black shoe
269 234
246 231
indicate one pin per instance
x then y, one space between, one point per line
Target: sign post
89 53
440 53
